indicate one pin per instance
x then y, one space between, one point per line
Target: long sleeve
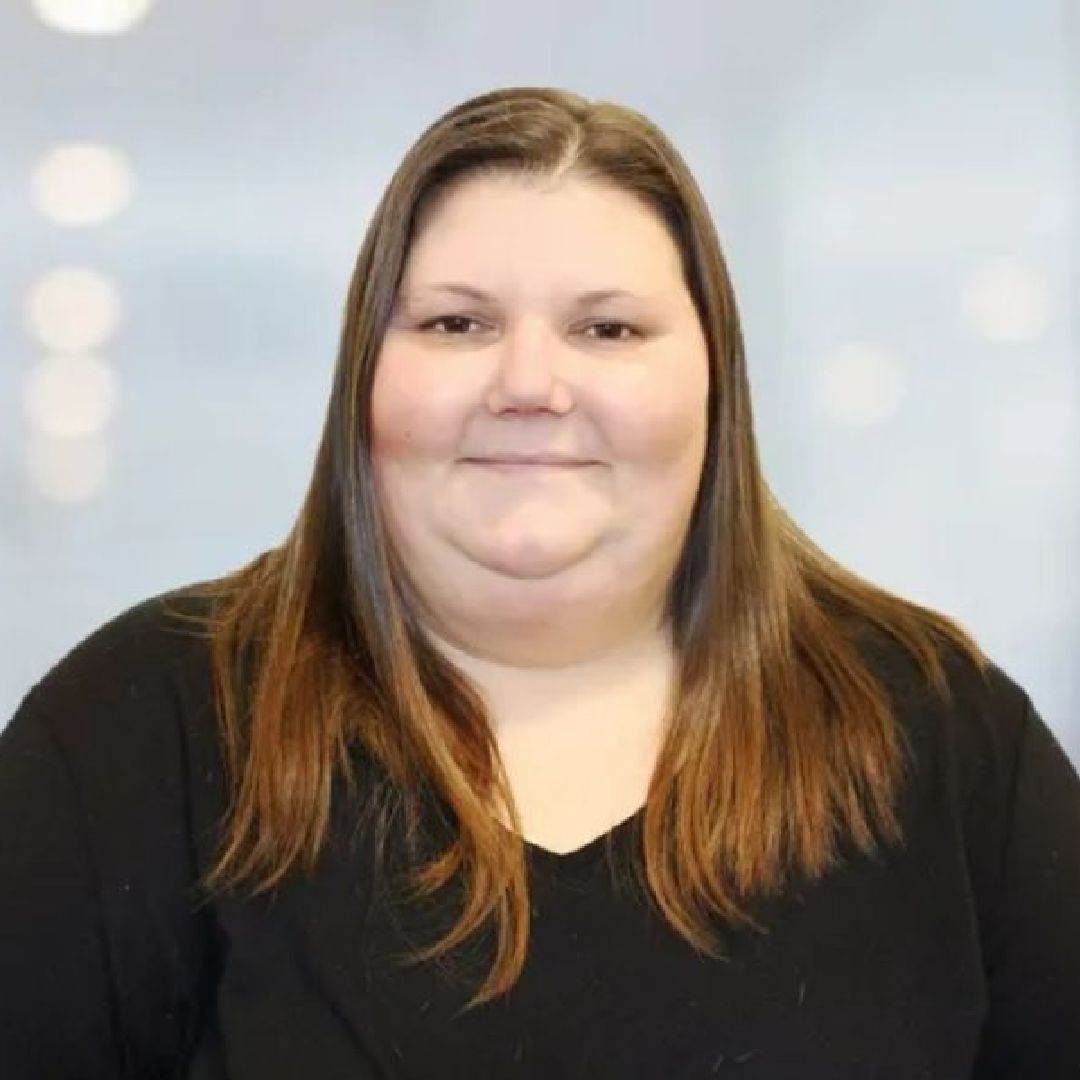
57 1016
108 776
1033 950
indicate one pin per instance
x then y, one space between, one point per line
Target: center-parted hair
781 744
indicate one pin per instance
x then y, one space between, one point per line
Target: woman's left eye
618 326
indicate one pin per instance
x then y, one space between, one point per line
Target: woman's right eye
455 320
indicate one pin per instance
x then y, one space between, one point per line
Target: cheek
413 416
392 412
663 423
396 427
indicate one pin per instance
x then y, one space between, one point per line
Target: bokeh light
70 396
81 183
91 16
73 309
1006 300
859 384
68 471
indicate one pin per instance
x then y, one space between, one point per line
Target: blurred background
185 187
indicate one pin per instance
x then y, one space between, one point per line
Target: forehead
506 229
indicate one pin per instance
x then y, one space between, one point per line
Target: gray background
864 162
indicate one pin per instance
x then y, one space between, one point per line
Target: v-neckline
585 856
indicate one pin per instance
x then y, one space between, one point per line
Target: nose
528 372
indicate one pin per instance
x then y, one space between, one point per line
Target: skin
545 584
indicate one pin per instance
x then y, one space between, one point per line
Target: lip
529 466
516 461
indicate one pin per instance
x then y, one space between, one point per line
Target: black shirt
955 955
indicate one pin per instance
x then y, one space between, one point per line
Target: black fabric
955 955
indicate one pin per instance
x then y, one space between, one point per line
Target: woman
545 744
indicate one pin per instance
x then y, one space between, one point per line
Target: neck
639 665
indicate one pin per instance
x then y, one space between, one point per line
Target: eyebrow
591 296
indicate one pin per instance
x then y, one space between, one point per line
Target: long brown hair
781 742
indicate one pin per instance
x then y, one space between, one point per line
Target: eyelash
634 332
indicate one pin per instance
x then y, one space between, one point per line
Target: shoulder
141 649
129 707
970 736
990 777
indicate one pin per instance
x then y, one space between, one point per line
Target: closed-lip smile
548 458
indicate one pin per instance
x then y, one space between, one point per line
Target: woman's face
517 359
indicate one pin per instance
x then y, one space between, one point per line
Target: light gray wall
865 163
